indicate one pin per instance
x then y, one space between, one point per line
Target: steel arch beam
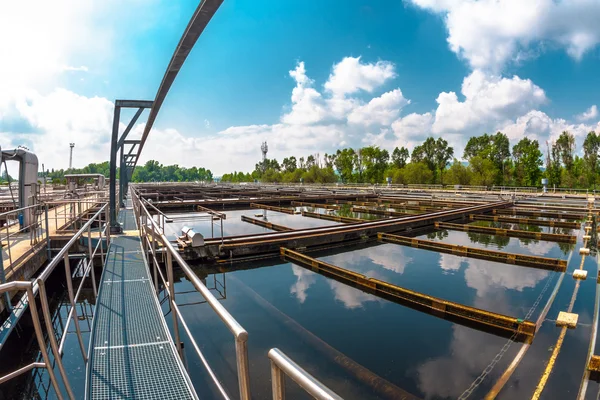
202 16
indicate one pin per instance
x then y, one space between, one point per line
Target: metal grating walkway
132 355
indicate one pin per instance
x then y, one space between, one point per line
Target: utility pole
71 156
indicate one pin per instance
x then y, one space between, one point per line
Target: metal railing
152 236
37 287
280 364
13 230
65 213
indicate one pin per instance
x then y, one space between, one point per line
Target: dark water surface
365 347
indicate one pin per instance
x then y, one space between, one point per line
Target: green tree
566 147
458 174
591 148
344 164
418 173
375 161
443 154
400 157
289 164
528 160
495 148
483 170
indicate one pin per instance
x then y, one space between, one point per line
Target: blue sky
308 77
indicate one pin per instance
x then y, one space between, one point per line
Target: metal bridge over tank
131 352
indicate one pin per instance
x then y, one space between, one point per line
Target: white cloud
48 123
538 125
381 110
351 75
486 277
491 33
588 114
81 68
449 262
305 280
487 99
307 103
412 129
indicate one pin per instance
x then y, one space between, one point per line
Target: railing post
8 244
40 338
171 291
3 280
90 257
72 300
106 219
277 382
154 258
101 242
47 231
241 353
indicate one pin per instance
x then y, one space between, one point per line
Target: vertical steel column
241 353
153 251
47 232
51 336
3 280
172 301
114 225
42 344
122 174
277 382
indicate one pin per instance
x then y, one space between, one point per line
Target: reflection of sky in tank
407 348
233 225
524 246
498 287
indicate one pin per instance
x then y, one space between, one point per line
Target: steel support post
122 176
42 344
171 291
277 382
114 225
3 280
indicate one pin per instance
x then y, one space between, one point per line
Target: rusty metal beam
266 224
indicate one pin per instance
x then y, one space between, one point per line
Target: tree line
151 171
489 160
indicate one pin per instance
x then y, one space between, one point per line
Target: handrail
148 226
280 363
38 286
28 286
48 270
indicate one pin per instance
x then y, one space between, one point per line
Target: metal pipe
72 300
42 344
20 371
311 385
